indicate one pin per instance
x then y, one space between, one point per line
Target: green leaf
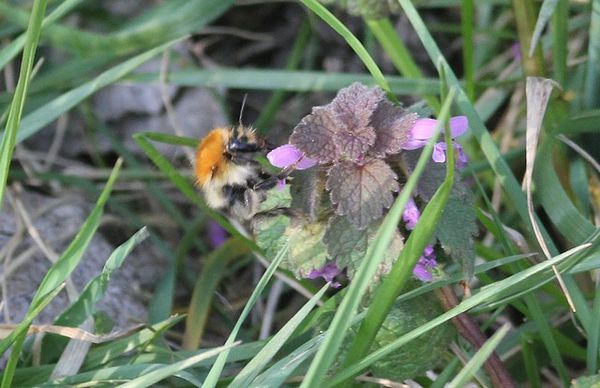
420 355
455 231
345 243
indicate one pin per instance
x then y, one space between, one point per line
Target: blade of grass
524 11
546 11
14 47
593 331
362 279
256 365
386 294
269 111
352 41
297 80
467 18
93 292
217 368
17 336
386 35
475 363
43 116
591 97
7 146
153 377
560 36
212 271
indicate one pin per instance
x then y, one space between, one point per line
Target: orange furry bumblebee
230 179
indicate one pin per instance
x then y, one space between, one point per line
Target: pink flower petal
422 273
287 155
462 159
413 144
411 214
458 125
423 129
439 153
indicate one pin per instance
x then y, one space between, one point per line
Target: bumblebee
227 173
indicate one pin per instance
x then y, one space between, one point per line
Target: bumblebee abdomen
210 155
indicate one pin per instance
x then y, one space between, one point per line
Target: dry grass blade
69 332
538 92
73 355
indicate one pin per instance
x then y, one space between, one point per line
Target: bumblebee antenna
242 109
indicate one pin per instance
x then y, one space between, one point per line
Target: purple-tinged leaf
361 191
314 135
393 126
354 107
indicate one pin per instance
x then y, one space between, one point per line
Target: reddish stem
466 327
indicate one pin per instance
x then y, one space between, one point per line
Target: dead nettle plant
351 158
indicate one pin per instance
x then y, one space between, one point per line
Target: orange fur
209 155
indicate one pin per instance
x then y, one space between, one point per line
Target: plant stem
469 330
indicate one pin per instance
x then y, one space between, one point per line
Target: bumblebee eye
238 145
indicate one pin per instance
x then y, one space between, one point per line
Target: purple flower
216 234
288 155
424 129
425 265
328 272
411 214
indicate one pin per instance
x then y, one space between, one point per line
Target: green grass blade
560 37
67 262
386 35
12 49
497 290
546 11
277 374
467 18
212 270
217 368
11 132
479 358
593 331
17 336
287 80
146 380
256 365
386 294
43 116
85 306
591 97
352 41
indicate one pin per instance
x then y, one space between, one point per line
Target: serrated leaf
307 250
361 192
315 133
419 355
456 229
345 243
307 190
276 198
354 106
269 233
392 125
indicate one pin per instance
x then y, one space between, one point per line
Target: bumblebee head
243 139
